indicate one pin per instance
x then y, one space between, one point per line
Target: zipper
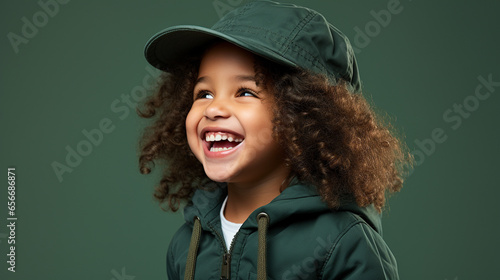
225 273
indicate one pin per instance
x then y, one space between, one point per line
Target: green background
101 222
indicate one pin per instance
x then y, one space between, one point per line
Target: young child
263 132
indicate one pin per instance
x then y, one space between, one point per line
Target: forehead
226 56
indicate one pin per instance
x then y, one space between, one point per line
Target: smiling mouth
222 141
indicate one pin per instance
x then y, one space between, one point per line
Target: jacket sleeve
171 272
360 253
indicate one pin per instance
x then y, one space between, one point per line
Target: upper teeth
219 136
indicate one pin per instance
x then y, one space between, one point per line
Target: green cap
285 33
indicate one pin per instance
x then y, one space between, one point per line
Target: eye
245 92
203 94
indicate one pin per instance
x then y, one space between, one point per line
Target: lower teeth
220 149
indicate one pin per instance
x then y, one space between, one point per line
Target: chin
218 175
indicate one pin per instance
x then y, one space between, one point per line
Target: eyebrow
241 78
245 78
201 80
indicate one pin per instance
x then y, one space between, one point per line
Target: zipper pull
226 267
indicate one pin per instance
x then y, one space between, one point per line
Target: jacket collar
297 199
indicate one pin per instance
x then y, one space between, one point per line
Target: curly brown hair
332 137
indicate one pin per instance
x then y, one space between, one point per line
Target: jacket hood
296 200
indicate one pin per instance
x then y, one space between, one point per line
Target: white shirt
229 229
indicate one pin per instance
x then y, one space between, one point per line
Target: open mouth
222 141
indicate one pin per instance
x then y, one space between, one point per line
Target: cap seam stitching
322 67
309 56
303 22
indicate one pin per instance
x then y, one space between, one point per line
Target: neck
244 197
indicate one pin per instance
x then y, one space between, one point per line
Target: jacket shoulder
338 223
359 252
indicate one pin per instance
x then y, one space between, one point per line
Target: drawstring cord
263 223
193 250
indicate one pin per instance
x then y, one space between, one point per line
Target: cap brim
172 45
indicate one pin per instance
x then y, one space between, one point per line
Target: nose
217 108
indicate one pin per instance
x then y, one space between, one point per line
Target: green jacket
304 240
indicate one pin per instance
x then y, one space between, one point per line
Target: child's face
228 106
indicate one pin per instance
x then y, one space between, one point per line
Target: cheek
262 129
191 129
